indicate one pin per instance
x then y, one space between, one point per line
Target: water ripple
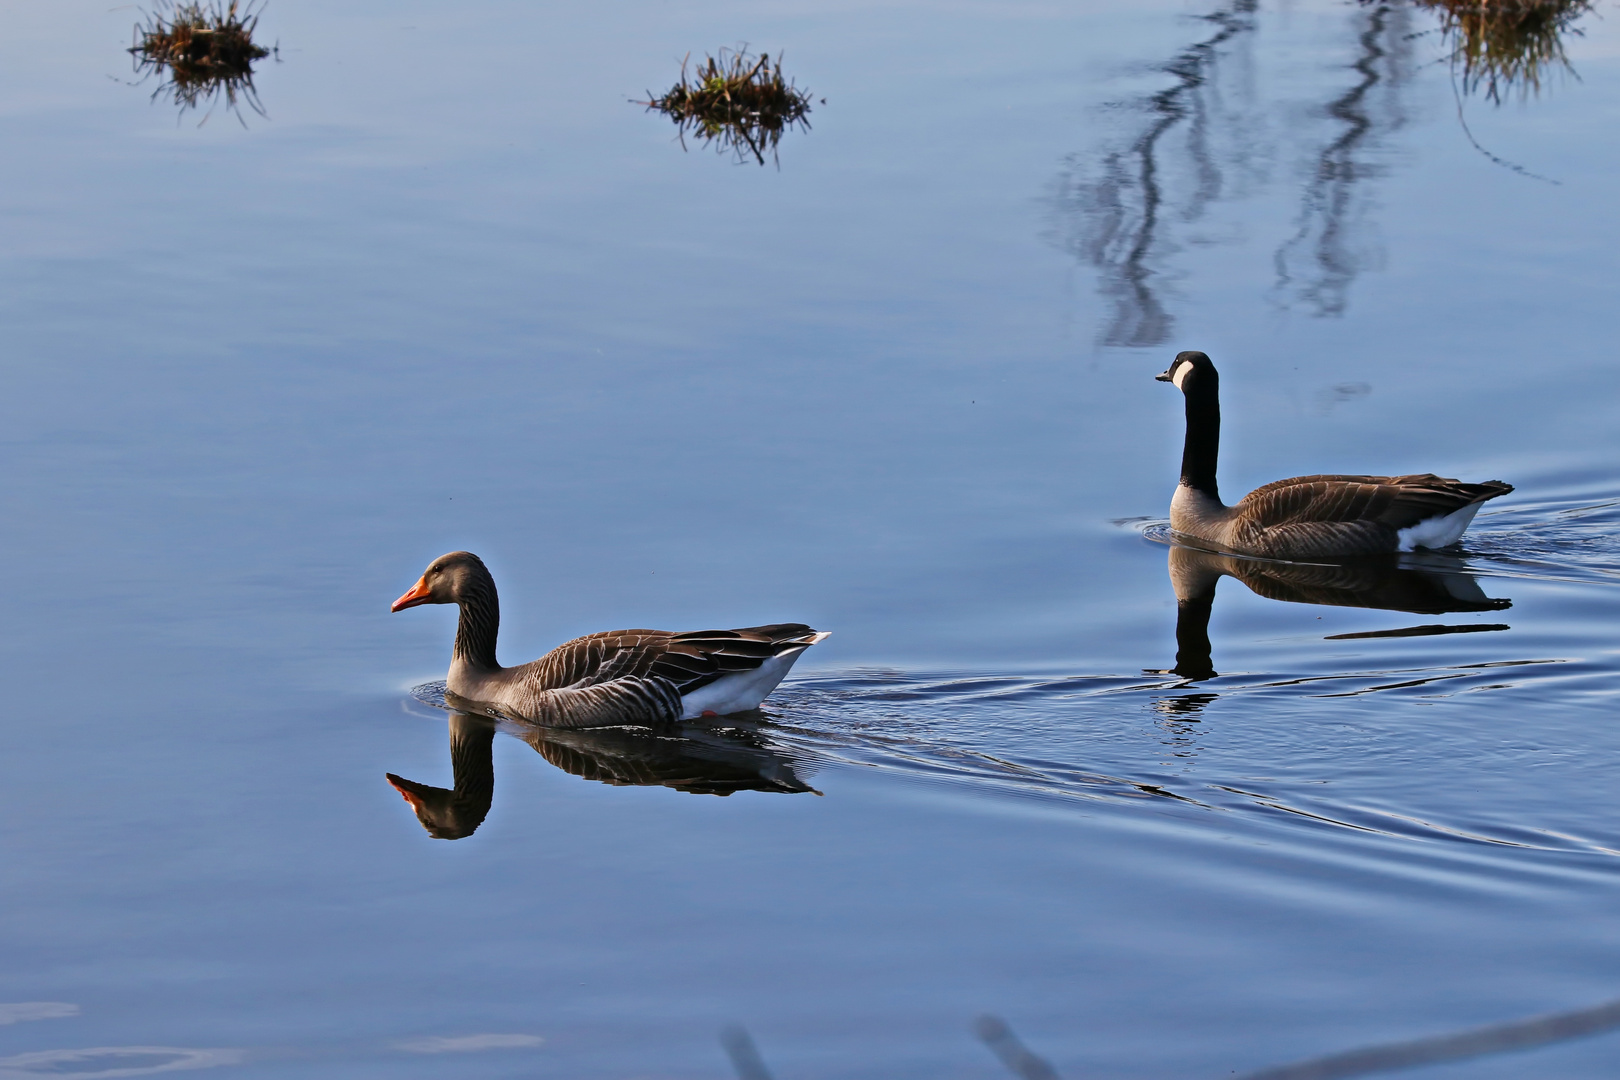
1032 737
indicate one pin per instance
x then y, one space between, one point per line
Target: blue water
453 290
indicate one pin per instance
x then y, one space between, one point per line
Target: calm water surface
455 291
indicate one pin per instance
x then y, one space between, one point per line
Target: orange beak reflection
398 784
417 595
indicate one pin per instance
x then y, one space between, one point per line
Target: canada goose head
449 579
1188 369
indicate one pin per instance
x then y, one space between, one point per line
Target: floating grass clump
201 52
737 101
1499 44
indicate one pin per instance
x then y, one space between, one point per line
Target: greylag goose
1307 516
608 679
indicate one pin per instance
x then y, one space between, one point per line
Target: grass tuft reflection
739 102
1501 45
201 53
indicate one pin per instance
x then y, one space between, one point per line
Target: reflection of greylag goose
452 814
1374 582
696 757
693 757
617 677
1308 515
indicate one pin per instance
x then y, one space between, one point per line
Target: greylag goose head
449 579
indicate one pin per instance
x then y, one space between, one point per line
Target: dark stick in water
1496 1039
744 1054
1019 1059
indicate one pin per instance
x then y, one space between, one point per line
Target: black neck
480 623
1203 443
1192 637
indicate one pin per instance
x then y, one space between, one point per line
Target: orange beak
398 784
417 595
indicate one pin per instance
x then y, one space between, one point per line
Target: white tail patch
742 690
1437 532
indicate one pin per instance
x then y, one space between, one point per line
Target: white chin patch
1180 376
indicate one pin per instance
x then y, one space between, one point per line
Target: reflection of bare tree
1128 207
1121 211
1320 261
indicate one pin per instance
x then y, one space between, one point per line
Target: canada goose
1308 515
608 679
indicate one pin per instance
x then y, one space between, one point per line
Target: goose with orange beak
609 679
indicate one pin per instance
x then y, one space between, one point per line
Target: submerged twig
1480 1042
1019 1059
744 1055
201 52
738 101
1468 132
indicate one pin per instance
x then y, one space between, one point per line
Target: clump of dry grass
1500 44
201 52
739 102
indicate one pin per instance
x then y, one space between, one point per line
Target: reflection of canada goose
617 677
690 757
1373 582
1308 516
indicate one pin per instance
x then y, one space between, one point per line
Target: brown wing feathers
639 676
1288 514
1397 501
688 660
698 658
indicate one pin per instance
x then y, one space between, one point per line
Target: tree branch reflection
1318 264
1113 222
1205 138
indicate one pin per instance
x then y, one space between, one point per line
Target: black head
1187 367
445 581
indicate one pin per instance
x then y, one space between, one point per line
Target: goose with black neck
1330 515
